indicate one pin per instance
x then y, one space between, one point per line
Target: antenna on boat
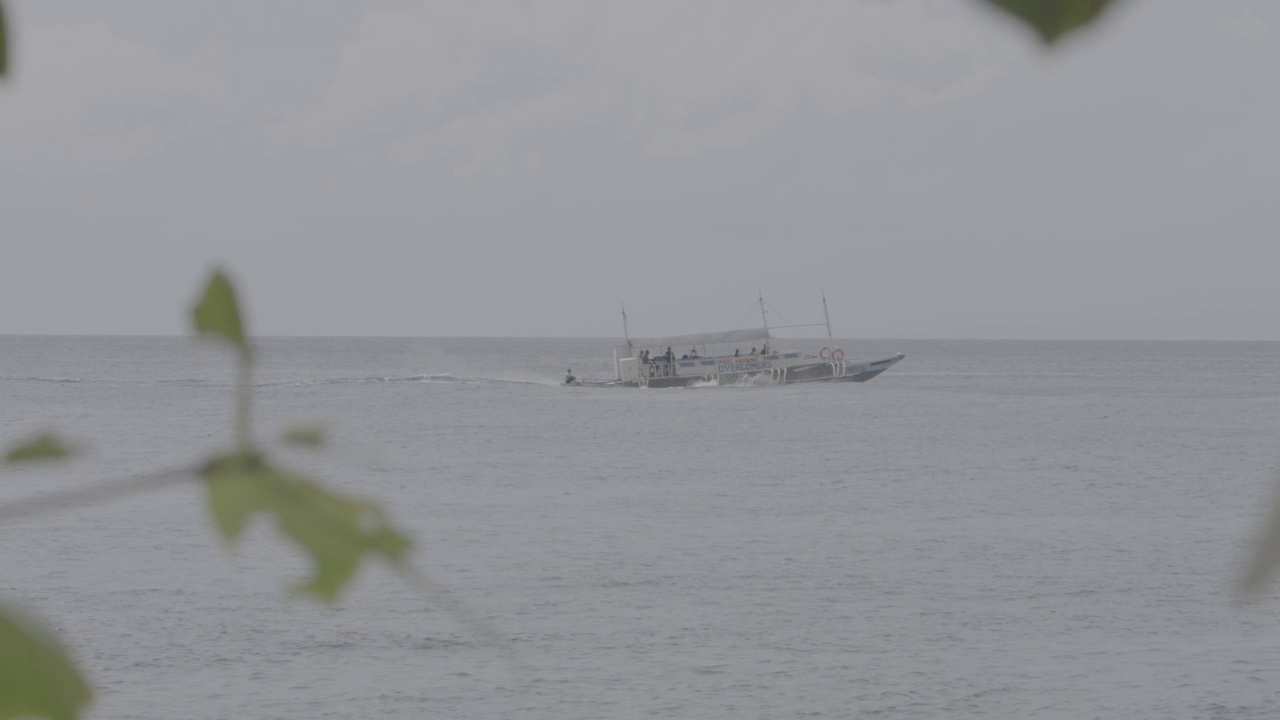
625 333
827 316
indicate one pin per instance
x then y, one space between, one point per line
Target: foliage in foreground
4 46
1052 19
45 446
38 679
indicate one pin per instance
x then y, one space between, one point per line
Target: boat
712 362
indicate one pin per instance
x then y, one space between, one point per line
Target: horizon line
620 339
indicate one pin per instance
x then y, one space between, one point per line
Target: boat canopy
714 338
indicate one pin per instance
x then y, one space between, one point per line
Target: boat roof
712 338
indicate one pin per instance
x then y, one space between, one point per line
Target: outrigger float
761 365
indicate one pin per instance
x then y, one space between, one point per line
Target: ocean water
988 530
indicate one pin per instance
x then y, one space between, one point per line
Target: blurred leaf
4 47
1054 18
37 679
337 532
304 436
217 313
41 447
235 492
1266 554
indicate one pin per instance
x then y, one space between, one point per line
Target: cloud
674 78
84 100
1245 24
485 140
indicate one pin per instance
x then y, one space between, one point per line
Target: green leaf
37 679
4 47
304 436
336 532
1054 18
42 447
235 492
217 312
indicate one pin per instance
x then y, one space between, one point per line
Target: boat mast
617 364
827 316
763 317
625 334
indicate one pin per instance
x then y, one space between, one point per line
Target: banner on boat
746 364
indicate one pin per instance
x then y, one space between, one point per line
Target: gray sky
468 168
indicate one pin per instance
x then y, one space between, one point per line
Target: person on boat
569 379
735 352
693 353
670 355
753 351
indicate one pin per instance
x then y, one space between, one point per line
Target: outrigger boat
765 364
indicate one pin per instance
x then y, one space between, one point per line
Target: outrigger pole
827 316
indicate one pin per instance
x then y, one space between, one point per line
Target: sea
990 529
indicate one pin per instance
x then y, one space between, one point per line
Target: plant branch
417 579
94 494
244 393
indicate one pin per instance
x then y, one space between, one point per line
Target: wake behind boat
717 359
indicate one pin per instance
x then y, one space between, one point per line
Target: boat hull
797 373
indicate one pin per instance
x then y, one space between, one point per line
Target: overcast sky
522 168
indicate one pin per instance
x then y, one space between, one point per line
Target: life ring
822 354
837 355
